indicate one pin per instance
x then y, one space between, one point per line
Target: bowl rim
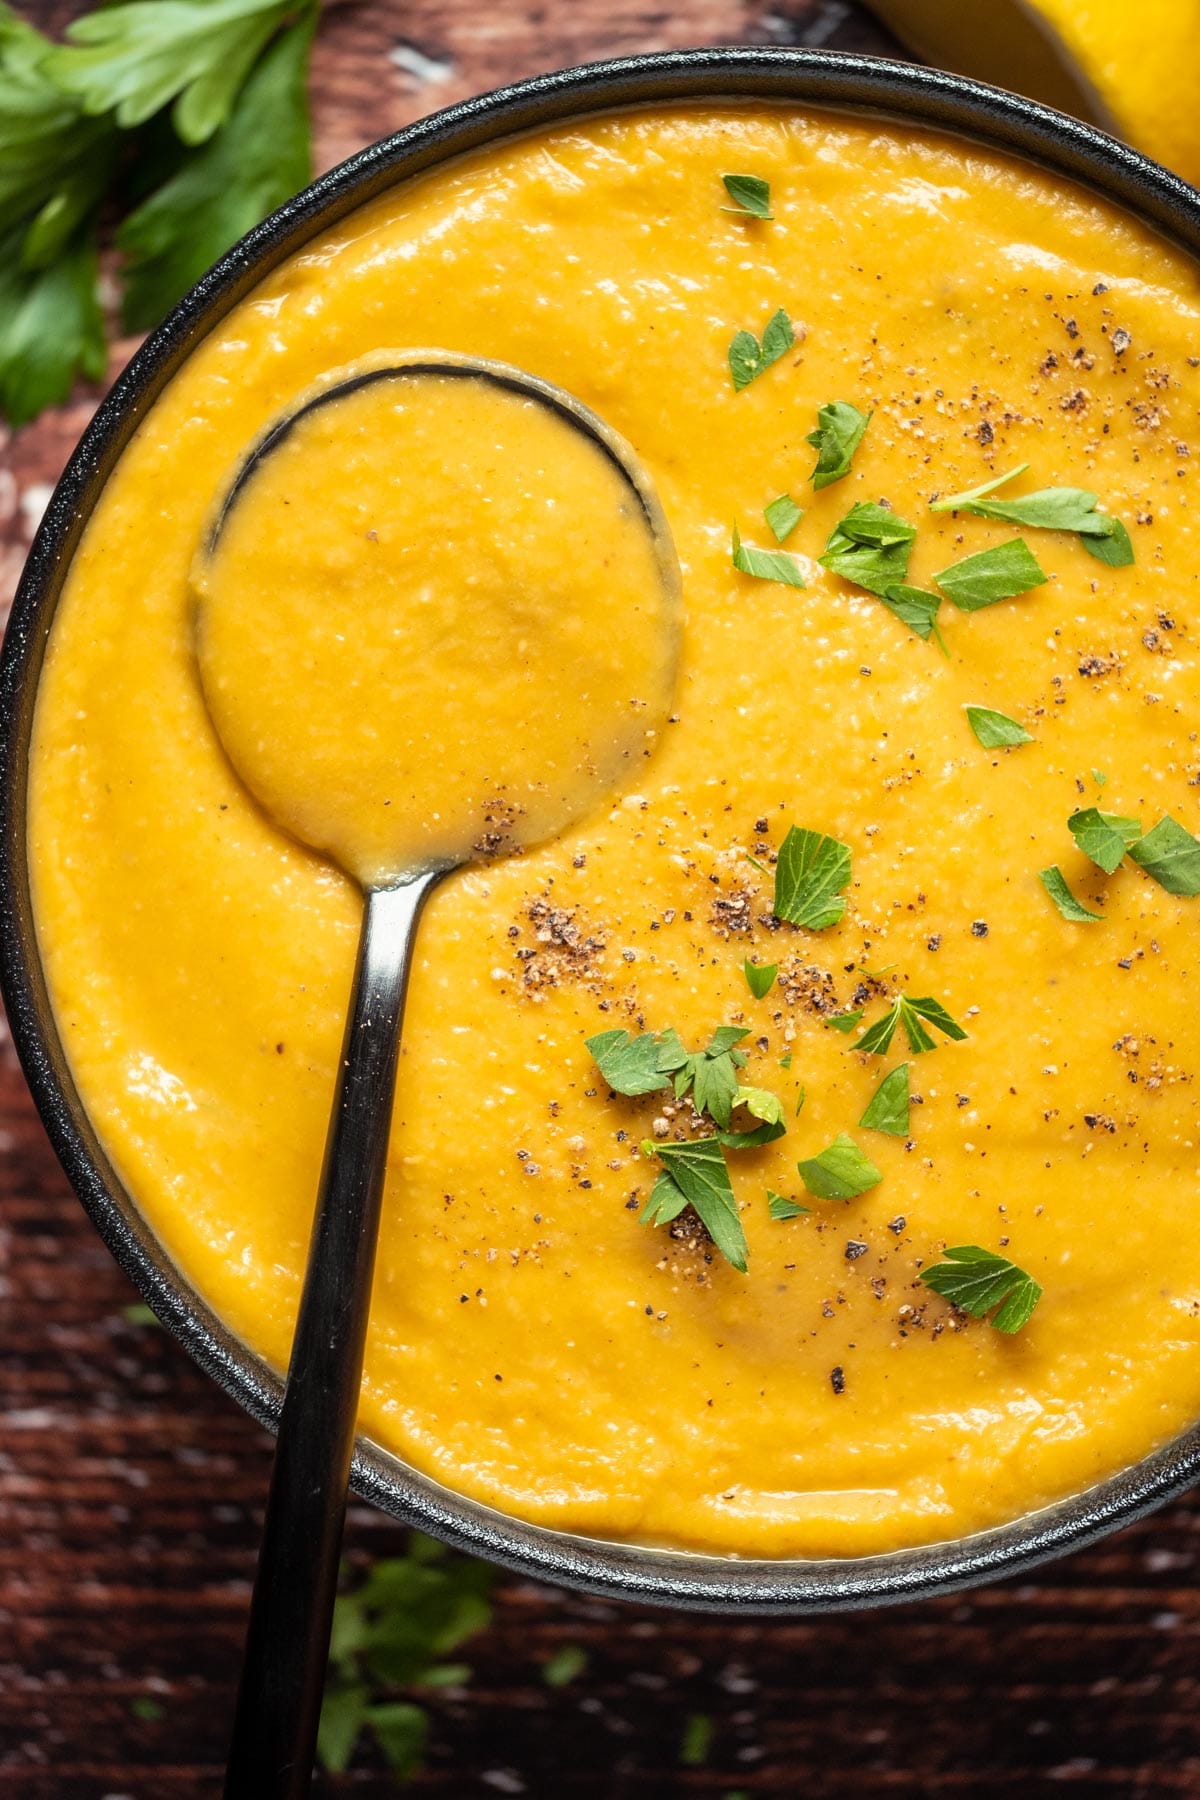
862 85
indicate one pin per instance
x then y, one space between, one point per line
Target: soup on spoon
437 615
436 619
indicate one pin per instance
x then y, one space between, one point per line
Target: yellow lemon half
1128 68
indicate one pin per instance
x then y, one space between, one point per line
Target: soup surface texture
532 1343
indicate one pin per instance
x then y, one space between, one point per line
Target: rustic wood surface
130 1488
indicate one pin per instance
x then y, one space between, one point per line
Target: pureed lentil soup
533 1342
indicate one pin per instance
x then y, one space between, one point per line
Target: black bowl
860 84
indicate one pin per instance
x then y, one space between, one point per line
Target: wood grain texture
130 1488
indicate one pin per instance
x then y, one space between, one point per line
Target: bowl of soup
793 1191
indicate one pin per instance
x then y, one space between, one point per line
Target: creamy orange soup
533 1343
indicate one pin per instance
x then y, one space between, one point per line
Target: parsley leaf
840 1172
1103 837
870 547
710 1075
1055 884
995 730
975 1280
628 1064
751 196
1049 509
840 430
991 575
809 874
1115 548
780 1207
760 977
888 1107
563 1665
133 59
699 1178
748 358
845 1022
54 163
650 1063
393 1631
51 329
783 516
767 565
667 1200
400 1729
260 156
917 609
1170 855
762 1105
910 1014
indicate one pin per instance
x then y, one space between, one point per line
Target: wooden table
130 1488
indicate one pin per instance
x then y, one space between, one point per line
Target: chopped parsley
1055 884
695 1174
763 1106
748 358
913 1014
751 196
760 977
783 516
1103 837
870 547
1115 548
840 430
977 1281
780 1207
918 609
628 1064
1170 855
1049 509
991 575
840 1172
810 872
888 1107
765 565
845 1022
995 730
709 1075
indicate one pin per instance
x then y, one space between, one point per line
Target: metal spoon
279 1702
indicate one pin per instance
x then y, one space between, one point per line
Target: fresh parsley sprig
913 1014
840 430
839 1172
751 196
888 1108
810 872
1049 509
978 1281
918 609
695 1174
1073 910
188 117
765 565
1001 573
749 358
871 547
995 730
134 60
783 516
760 977
393 1633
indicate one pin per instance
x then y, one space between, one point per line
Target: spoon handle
287 1644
